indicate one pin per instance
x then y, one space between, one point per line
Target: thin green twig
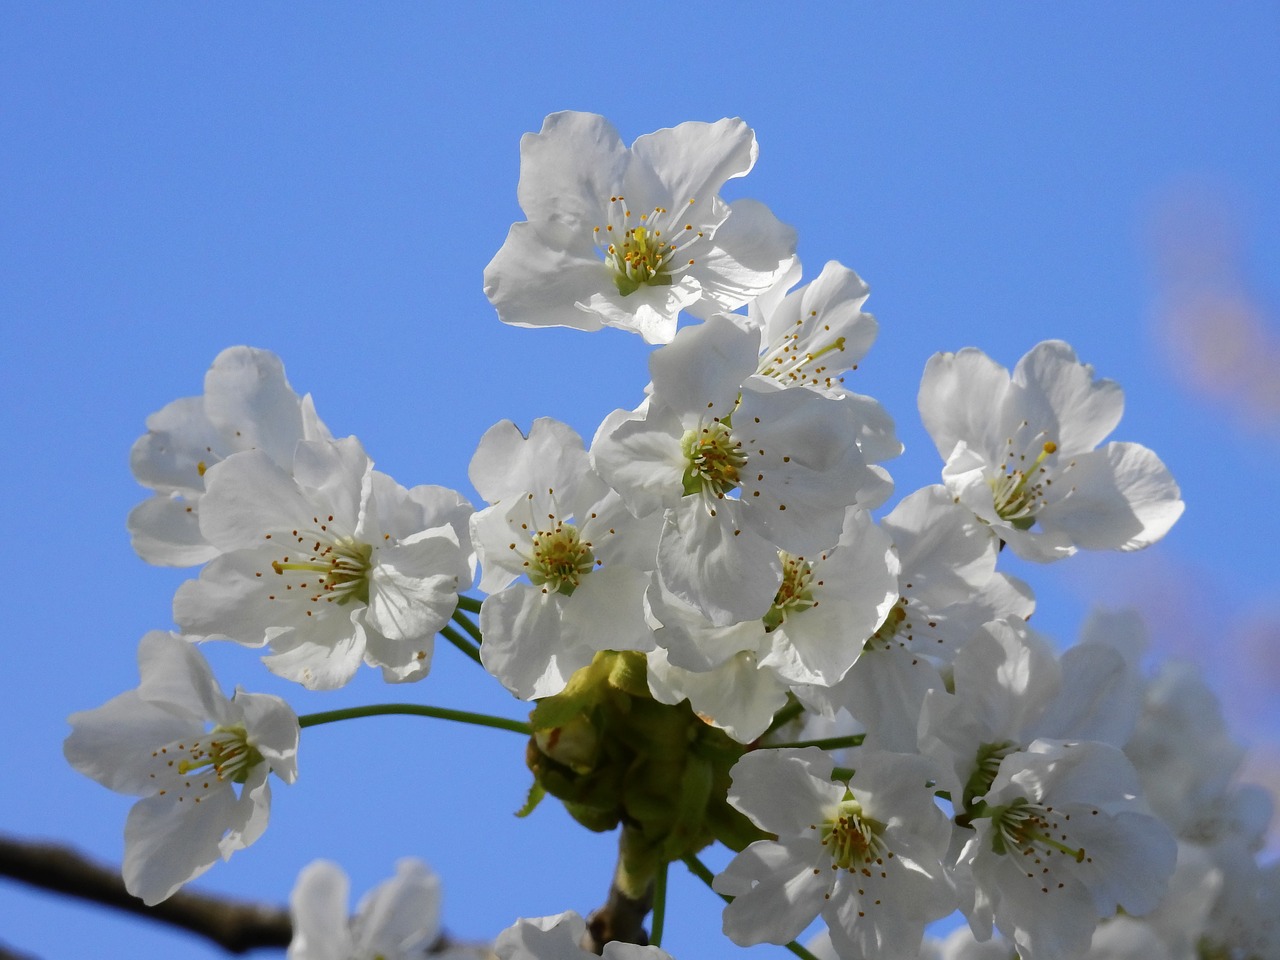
786 715
467 624
417 710
469 604
659 905
461 642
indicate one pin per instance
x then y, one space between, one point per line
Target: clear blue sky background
328 181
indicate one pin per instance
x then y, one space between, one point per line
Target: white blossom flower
946 588
584 559
198 760
247 405
1020 453
736 677
1187 760
1010 689
397 920
330 565
630 237
558 938
1060 842
866 855
741 473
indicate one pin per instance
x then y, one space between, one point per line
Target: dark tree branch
235 925
621 918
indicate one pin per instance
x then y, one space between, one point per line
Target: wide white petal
725 569
784 791
1056 392
1122 498
413 588
962 396
168 844
693 160
318 905
400 915
778 889
542 271
165 531
113 743
752 250
570 168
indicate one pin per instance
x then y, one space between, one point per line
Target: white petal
318 905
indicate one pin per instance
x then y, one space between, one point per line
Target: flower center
852 840
1028 828
794 595
558 559
643 251
713 460
336 566
1020 490
193 768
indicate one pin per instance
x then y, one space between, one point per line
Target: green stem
785 715
826 743
461 642
659 905
699 870
467 624
469 604
417 710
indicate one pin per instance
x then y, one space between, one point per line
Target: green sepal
536 793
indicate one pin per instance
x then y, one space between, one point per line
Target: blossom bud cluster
846 693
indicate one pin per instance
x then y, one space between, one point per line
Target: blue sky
329 182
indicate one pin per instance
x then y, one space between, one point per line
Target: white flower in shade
397 920
558 938
247 405
946 589
332 564
629 237
866 856
1060 842
1010 689
1185 756
737 677
1020 453
741 473
580 558
198 760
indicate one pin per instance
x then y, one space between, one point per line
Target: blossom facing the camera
629 236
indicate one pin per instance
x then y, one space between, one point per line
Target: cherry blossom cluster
724 630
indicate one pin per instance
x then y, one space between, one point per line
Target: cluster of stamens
794 364
558 559
1022 488
192 768
1029 829
333 568
646 251
852 840
795 593
713 460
